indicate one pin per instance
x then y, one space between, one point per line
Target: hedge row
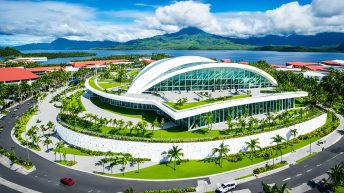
20 127
15 159
268 167
174 190
100 153
63 117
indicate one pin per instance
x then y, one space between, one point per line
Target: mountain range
196 39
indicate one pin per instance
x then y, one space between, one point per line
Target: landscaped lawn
106 85
70 150
134 113
93 84
195 168
203 102
67 163
306 157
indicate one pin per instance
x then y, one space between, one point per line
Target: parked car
67 181
226 187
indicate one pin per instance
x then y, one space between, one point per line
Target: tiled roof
44 69
16 74
95 62
300 64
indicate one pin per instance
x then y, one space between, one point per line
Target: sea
272 57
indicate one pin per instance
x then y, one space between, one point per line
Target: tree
47 141
230 124
174 154
58 146
222 150
124 161
278 140
335 177
50 125
138 161
102 162
208 118
253 145
274 188
155 123
162 123
129 190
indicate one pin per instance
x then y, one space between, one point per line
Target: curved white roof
164 69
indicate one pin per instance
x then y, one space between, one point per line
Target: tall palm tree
221 151
293 132
124 161
47 141
58 146
335 176
50 125
102 162
174 154
138 161
208 118
278 140
113 162
253 144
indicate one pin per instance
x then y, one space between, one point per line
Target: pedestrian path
48 112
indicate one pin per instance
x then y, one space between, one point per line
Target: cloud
46 20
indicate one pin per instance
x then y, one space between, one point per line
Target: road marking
318 165
16 187
298 175
305 166
309 170
286 179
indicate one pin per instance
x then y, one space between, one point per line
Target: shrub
15 159
174 190
268 167
235 157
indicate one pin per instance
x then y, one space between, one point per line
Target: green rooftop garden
185 105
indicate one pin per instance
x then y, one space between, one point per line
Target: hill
185 39
65 44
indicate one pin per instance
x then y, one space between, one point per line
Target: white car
226 187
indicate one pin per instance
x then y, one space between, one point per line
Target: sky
33 21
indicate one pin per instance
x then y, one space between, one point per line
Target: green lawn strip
267 168
306 157
70 150
195 168
106 85
68 163
76 98
133 113
203 102
243 177
92 83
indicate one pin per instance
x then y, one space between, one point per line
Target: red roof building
316 68
43 70
300 64
9 75
331 63
244 62
147 61
95 63
226 60
277 66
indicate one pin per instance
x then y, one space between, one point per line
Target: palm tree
335 176
175 154
124 161
138 161
155 123
274 188
209 120
162 123
102 162
50 125
253 145
113 162
58 146
278 140
222 150
47 141
293 132
230 124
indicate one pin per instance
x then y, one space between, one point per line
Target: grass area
243 177
93 84
76 99
68 163
70 150
203 102
107 85
133 113
194 168
306 157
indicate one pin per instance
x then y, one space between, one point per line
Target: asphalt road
46 177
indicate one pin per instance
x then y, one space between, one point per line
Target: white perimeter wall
192 150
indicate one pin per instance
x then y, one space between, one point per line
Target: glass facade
126 104
219 78
237 111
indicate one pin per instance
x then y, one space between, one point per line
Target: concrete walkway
47 112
